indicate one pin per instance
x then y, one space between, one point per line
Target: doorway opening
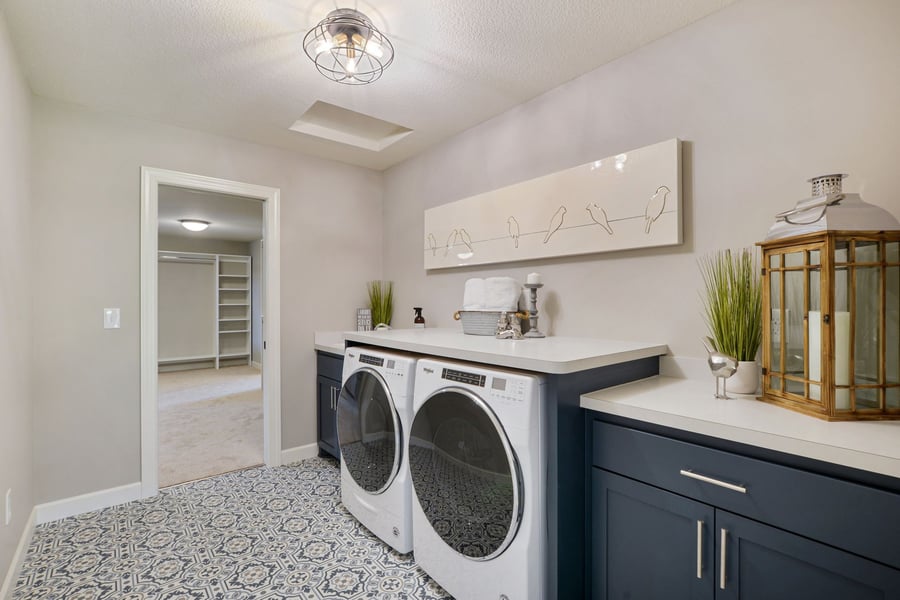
210 320
209 289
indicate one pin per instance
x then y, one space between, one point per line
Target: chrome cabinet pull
729 486
722 541
699 549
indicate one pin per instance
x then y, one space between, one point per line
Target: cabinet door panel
327 391
765 563
646 542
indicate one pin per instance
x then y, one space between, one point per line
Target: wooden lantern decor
831 307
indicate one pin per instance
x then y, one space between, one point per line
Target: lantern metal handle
802 207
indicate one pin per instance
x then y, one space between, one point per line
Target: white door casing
151 179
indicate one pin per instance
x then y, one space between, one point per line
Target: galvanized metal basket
482 322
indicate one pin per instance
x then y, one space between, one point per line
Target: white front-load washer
477 461
374 413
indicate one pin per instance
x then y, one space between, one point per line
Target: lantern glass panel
892 252
795 387
775 261
867 252
775 383
892 333
815 257
841 251
892 398
794 259
794 311
867 334
777 318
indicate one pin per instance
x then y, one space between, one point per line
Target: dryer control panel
499 387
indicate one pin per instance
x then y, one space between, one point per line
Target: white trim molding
15 567
292 455
77 505
151 179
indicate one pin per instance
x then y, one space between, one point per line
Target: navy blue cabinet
765 563
328 389
649 543
672 519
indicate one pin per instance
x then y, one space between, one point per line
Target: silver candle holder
533 331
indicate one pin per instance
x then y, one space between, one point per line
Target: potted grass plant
732 307
381 302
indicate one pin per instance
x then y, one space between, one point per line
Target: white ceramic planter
746 379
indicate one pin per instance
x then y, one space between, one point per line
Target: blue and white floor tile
257 534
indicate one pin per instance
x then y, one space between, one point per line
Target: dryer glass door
369 431
465 475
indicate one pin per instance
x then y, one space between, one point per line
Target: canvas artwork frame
630 200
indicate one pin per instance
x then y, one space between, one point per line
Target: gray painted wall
186 309
765 94
185 244
86 190
15 300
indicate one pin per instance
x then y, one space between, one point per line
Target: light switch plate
111 318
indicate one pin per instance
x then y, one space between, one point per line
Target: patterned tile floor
256 534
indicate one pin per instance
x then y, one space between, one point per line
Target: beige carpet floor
210 422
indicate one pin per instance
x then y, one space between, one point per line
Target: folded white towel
474 295
501 293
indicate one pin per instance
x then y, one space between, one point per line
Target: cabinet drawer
329 365
860 519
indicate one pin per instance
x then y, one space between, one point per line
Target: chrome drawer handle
729 486
699 549
723 544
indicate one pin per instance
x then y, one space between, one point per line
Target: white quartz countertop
558 355
330 341
689 405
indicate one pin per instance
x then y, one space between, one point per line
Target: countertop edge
856 459
514 362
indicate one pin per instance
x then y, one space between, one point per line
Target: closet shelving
227 332
233 311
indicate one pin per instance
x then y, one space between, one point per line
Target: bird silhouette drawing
513 227
432 244
655 207
466 239
599 216
555 222
451 240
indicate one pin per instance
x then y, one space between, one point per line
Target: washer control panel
503 388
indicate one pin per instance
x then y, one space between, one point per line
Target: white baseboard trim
15 567
256 364
76 505
292 455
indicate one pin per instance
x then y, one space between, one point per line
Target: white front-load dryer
477 460
374 413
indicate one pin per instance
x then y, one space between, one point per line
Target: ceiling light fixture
194 224
347 48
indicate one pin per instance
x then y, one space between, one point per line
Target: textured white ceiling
236 67
232 218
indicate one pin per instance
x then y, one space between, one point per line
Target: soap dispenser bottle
419 321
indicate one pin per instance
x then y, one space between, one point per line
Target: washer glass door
369 431
465 475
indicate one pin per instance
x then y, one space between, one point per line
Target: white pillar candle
814 333
842 358
534 278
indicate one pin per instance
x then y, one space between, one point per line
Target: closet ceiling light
194 224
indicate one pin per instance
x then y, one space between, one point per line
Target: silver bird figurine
721 365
